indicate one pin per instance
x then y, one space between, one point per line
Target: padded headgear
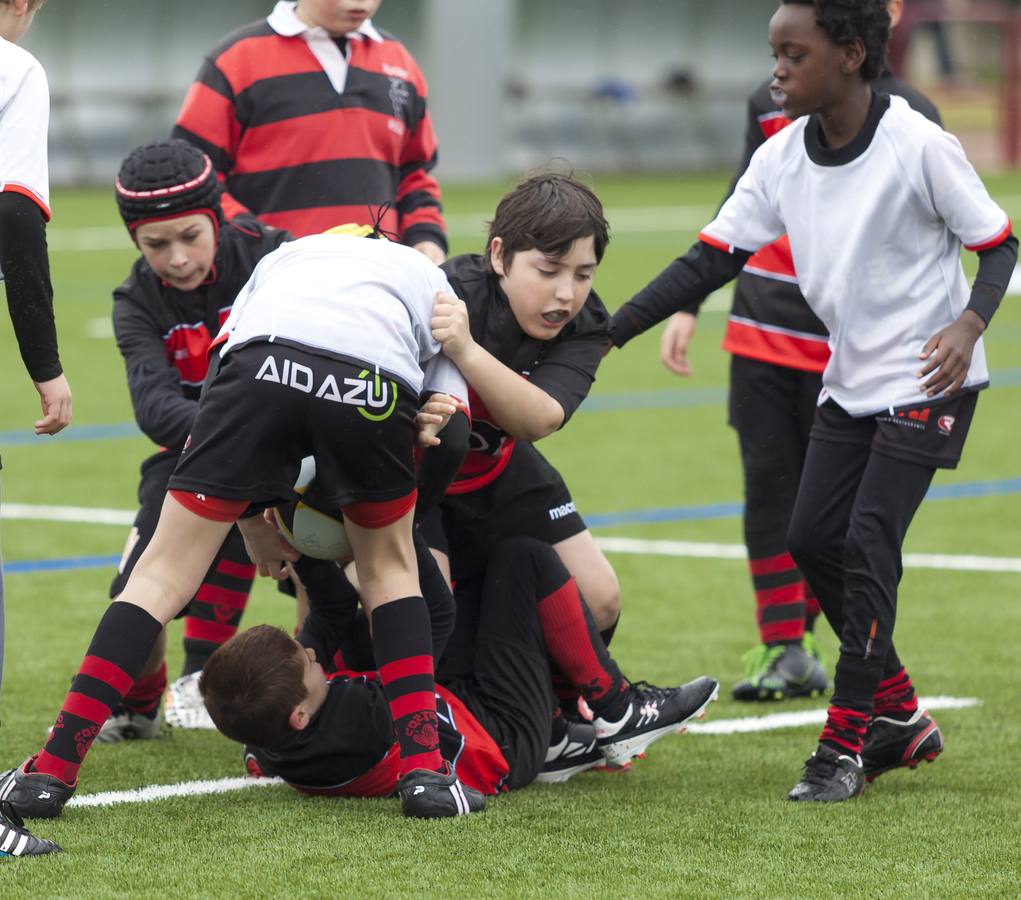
164 180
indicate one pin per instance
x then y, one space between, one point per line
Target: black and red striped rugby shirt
308 135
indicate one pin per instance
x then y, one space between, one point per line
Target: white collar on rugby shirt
285 22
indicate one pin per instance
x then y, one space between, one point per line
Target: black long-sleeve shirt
164 334
26 271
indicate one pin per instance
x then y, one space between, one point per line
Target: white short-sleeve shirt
876 230
352 297
24 118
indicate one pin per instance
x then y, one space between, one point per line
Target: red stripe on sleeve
8 187
995 242
107 672
714 242
406 667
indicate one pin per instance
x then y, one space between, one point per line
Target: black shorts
528 499
931 434
270 405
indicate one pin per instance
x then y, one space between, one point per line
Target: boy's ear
496 256
299 718
855 55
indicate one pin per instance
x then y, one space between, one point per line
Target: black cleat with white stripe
34 795
17 840
652 713
577 751
437 795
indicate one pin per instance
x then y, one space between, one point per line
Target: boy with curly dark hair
877 202
779 349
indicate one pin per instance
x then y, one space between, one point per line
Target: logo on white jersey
374 396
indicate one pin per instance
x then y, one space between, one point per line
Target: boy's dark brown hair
252 683
548 212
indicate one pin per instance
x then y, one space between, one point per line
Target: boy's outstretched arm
681 287
26 268
948 352
523 410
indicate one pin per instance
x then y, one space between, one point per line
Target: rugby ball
311 532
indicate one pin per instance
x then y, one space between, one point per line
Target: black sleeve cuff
995 268
425 232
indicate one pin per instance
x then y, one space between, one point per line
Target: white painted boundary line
167 791
623 220
691 549
724 726
737 551
79 514
808 717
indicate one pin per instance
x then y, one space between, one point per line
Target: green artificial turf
703 815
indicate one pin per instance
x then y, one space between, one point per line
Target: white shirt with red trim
876 244
24 120
354 297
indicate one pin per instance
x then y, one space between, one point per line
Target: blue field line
599 520
24 566
114 431
634 401
730 510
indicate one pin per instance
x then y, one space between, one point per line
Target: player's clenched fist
450 325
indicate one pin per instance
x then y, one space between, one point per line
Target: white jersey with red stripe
350 297
24 120
876 230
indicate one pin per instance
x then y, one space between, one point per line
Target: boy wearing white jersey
877 202
325 353
25 267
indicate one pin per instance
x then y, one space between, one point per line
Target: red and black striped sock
578 651
119 649
215 612
779 598
402 644
895 697
144 696
844 730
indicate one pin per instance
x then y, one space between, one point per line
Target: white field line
227 785
80 514
808 717
690 549
623 220
166 791
737 551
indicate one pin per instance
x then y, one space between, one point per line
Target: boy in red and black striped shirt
313 117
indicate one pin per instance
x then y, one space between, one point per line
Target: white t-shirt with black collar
876 229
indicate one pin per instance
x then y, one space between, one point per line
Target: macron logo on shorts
558 512
376 397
